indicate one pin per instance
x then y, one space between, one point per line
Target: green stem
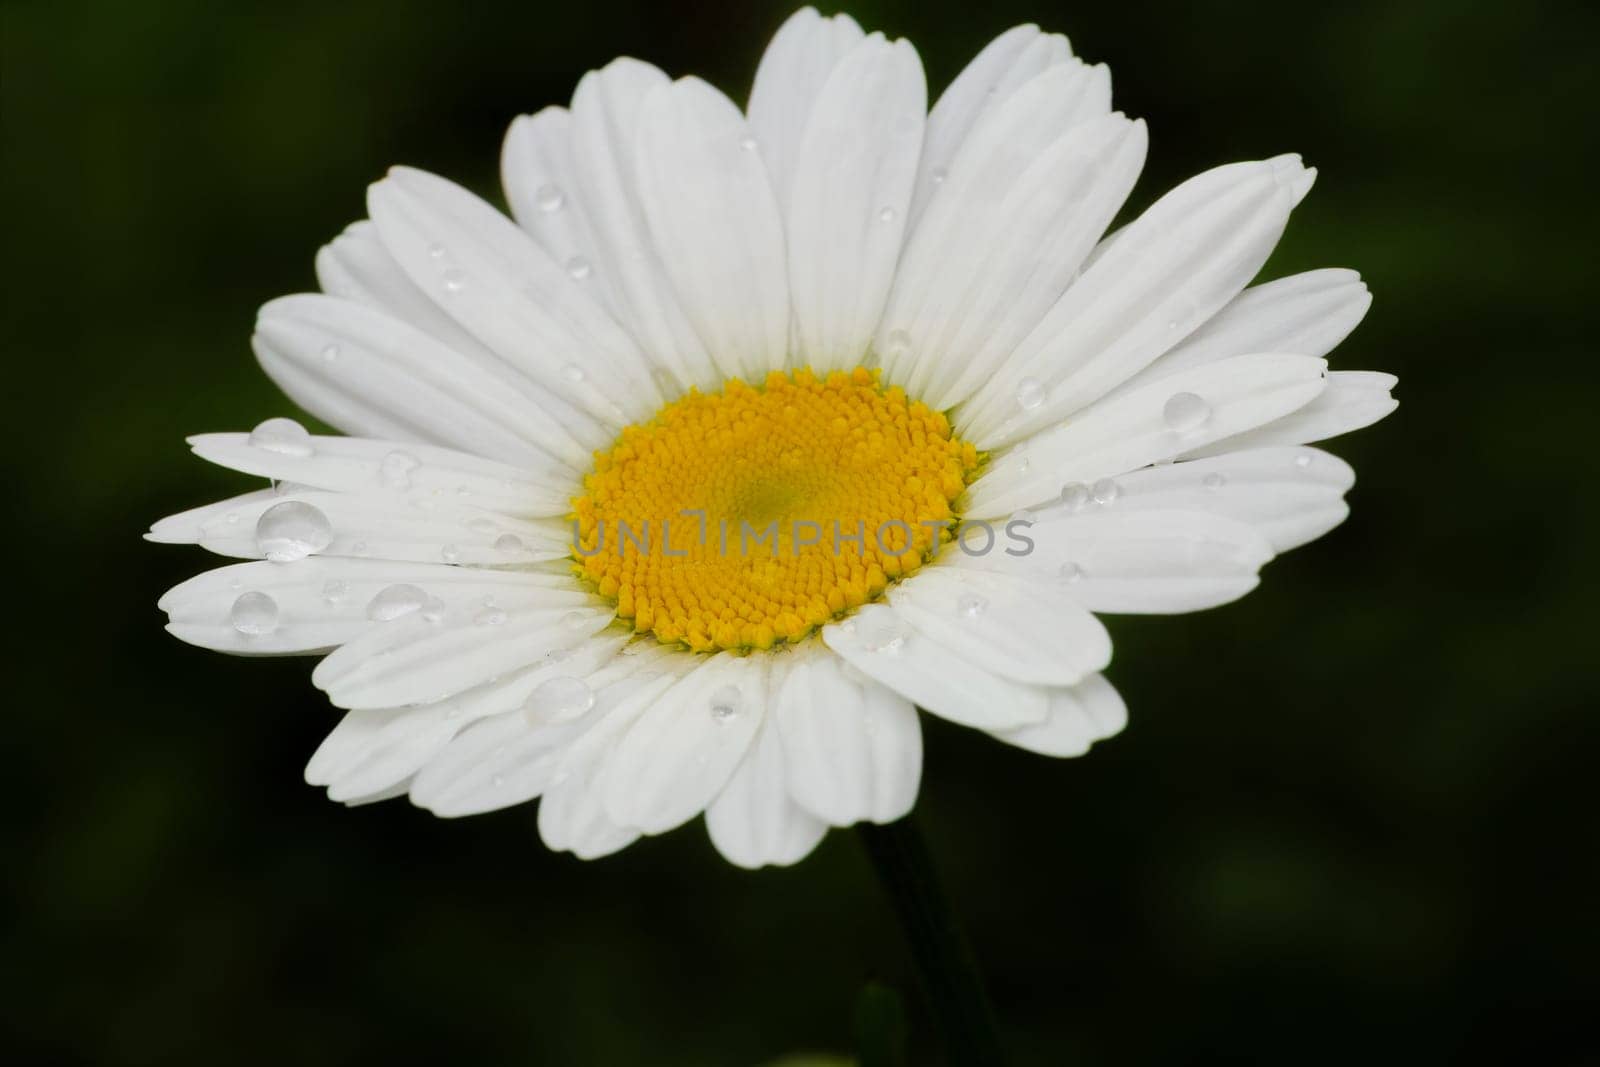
948 972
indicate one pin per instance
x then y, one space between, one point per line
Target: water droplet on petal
1185 412
939 175
453 280
576 620
727 703
395 601
436 251
489 617
1075 495
1213 481
394 470
1030 394
971 605
549 198
1105 491
882 635
747 143
330 353
572 373
450 554
579 268
283 437
360 548
1069 573
1303 460
292 530
433 609
254 614
509 543
558 699
886 214
335 591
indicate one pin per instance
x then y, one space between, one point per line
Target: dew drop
1069 573
489 617
727 703
747 143
939 175
1303 460
558 699
292 530
882 635
1213 482
395 601
394 470
436 251
254 614
550 198
1030 394
433 609
971 605
335 591
1105 491
572 373
450 554
1185 412
1075 495
453 280
330 353
509 543
886 214
576 620
360 548
283 437
579 268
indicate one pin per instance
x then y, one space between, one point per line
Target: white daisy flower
749 433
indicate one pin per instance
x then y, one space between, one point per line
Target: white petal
1306 314
754 822
420 528
1131 431
356 266
360 465
680 753
322 601
1006 63
417 660
1168 272
1079 716
391 381
715 225
1001 243
852 187
1008 624
605 133
1162 562
789 79
1288 495
935 676
852 748
539 316
1352 400
542 187
372 751
509 758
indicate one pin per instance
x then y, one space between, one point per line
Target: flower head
750 432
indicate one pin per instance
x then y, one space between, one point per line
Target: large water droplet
549 198
727 703
558 699
395 601
292 530
881 635
394 470
1185 412
284 437
254 614
1106 491
971 605
1030 394
1074 495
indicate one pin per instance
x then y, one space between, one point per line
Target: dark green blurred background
1352 819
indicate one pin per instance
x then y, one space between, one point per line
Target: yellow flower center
754 515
